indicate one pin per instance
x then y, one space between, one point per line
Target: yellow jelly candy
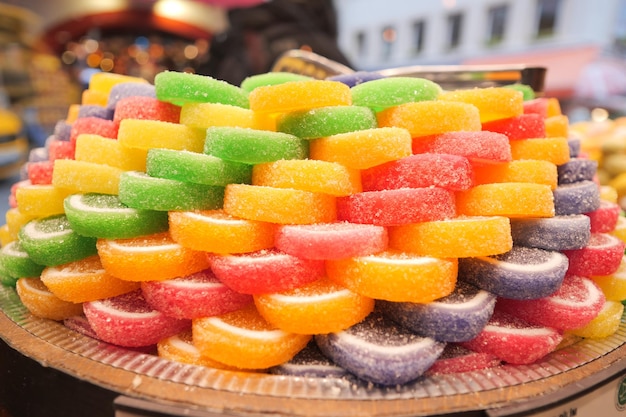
149 258
493 102
425 118
613 286
104 81
244 339
41 200
508 199
147 134
555 150
308 175
84 280
204 115
6 236
15 219
101 150
334 307
604 324
94 97
72 113
279 205
299 95
86 177
396 276
218 232
527 170
460 237
42 303
620 229
363 149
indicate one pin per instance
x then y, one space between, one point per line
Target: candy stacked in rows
390 225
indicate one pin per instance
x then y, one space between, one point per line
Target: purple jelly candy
577 169
576 198
552 233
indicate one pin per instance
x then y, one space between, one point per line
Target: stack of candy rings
379 228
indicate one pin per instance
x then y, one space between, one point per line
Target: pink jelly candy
602 256
93 125
577 302
196 295
148 108
456 359
524 126
514 340
452 172
61 149
481 146
128 320
40 172
265 271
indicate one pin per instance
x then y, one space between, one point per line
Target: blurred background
49 48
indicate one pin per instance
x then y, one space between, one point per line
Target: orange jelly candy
461 237
334 307
299 95
84 280
279 205
42 303
555 150
149 258
396 276
493 102
527 170
180 348
244 339
218 232
506 199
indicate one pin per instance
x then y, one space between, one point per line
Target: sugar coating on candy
363 149
451 172
356 77
105 81
270 78
129 89
601 256
544 106
431 117
331 240
456 359
576 198
396 207
326 121
378 351
513 340
279 205
540 172
476 146
574 304
557 126
42 303
392 91
95 111
204 115
16 263
614 285
604 219
555 150
396 276
308 175
93 125
141 191
128 320
512 200
459 237
180 348
62 130
105 216
147 134
553 233
492 102
38 154
40 172
457 317
334 307
310 362
252 146
197 295
216 231
61 150
299 95
577 169
524 126
86 177
246 340
40 200
180 88
101 150
521 273
265 271
196 168
146 108
606 323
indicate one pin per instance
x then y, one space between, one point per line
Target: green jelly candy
6 279
527 91
141 191
326 121
270 78
16 262
251 146
105 216
51 241
182 87
393 91
196 168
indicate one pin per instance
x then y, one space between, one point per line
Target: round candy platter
144 376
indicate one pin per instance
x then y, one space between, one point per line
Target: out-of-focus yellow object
13 144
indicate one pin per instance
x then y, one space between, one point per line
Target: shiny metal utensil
449 77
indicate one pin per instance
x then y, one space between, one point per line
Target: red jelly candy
604 219
128 320
93 125
452 172
577 302
514 340
40 172
524 126
602 256
148 108
397 207
196 295
61 149
476 146
456 358
265 271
